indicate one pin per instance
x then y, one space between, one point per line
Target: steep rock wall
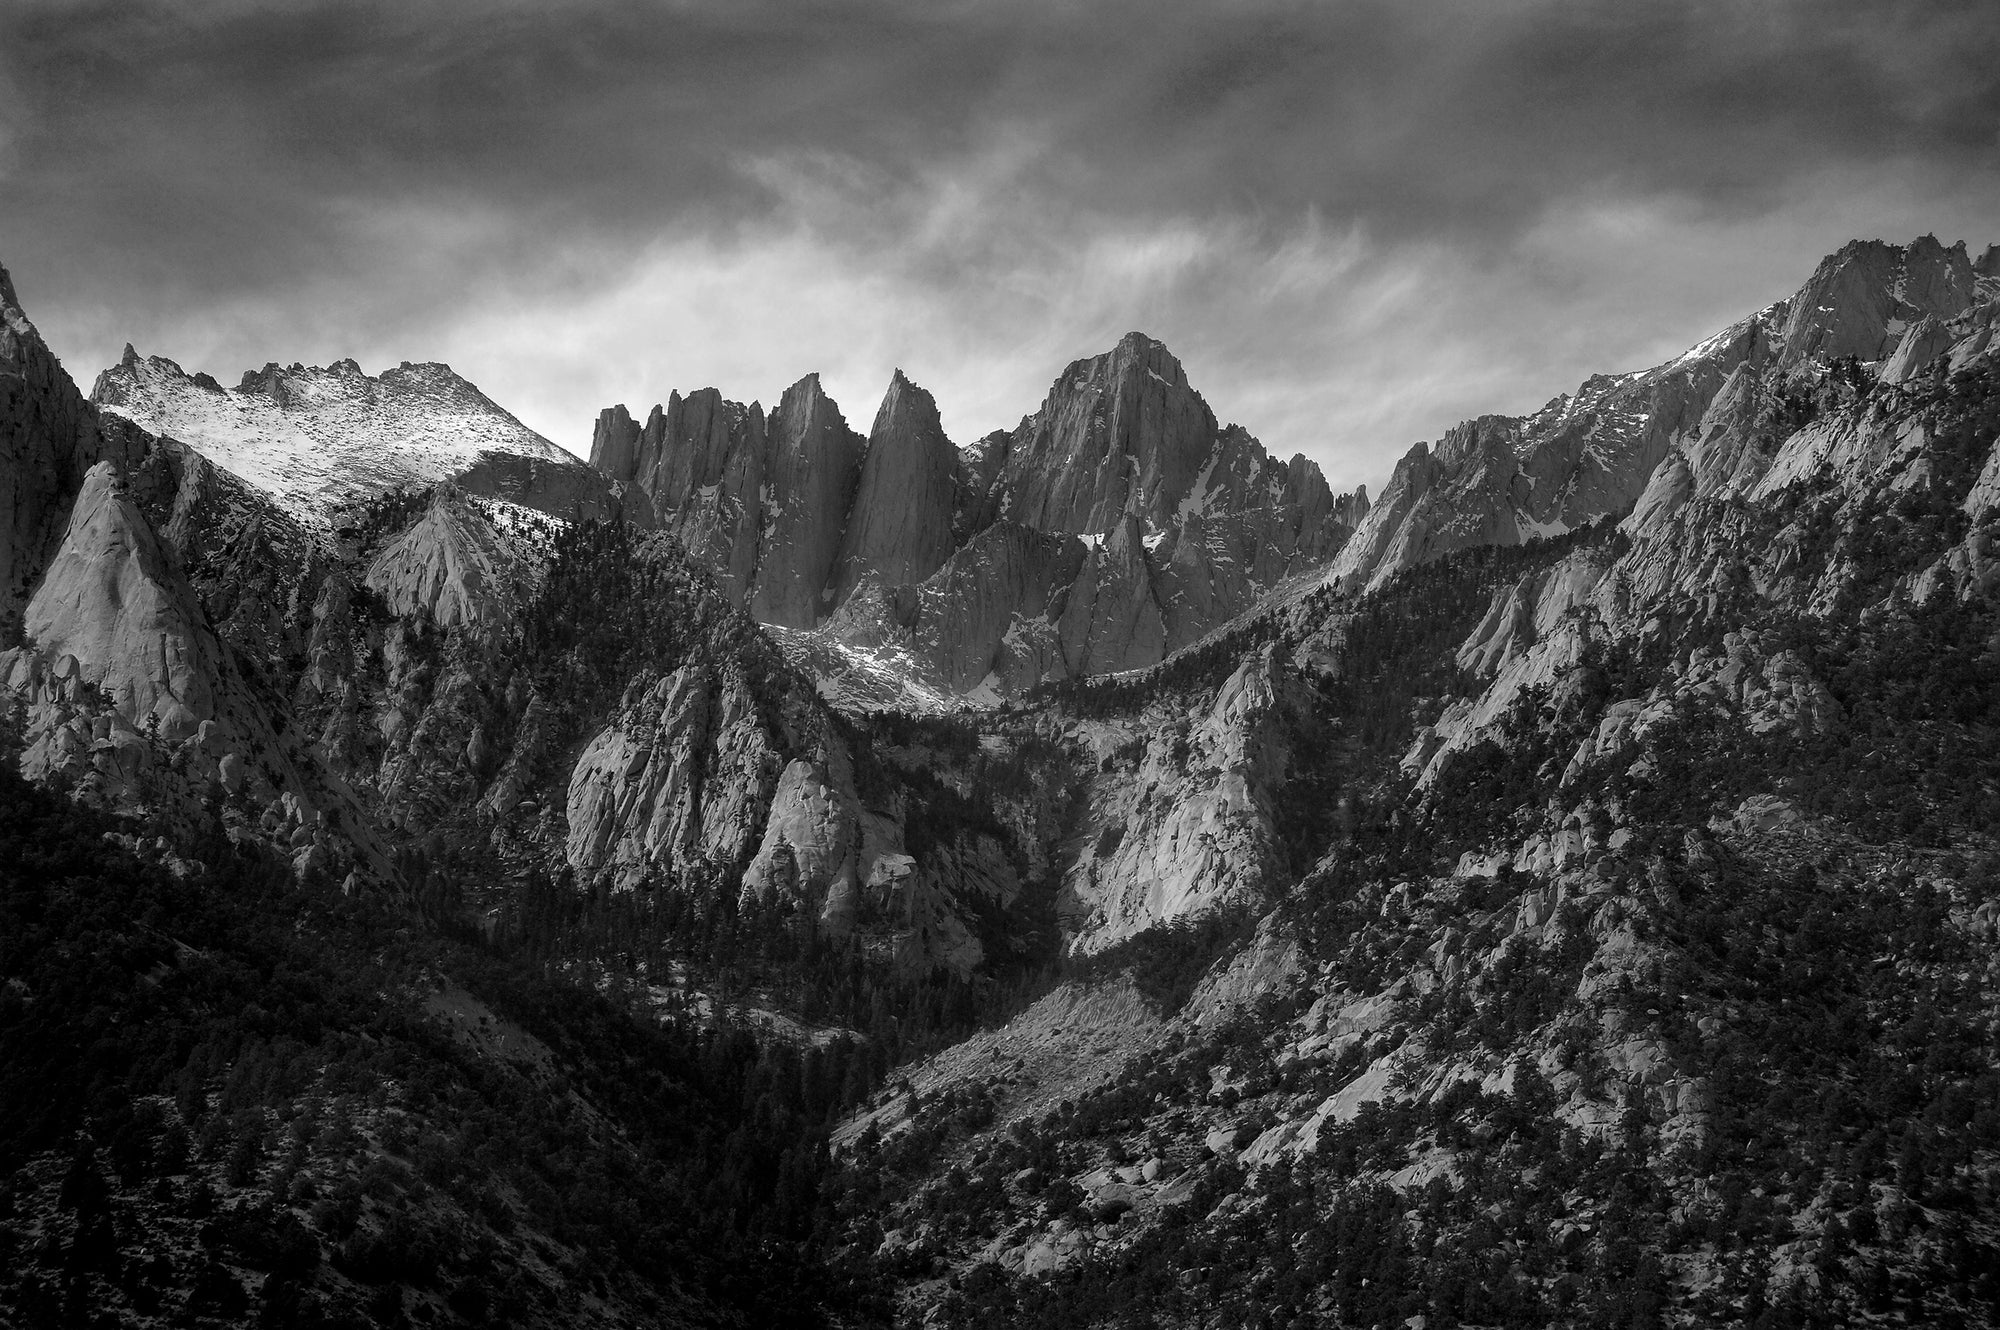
815 464
49 437
899 531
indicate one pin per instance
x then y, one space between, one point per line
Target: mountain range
1089 875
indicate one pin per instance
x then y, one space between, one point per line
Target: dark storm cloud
202 128
174 165
1470 117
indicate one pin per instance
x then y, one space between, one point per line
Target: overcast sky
1355 223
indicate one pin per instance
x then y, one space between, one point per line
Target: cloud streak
1355 223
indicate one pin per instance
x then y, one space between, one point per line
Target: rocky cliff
109 602
1162 524
1589 454
815 464
126 689
899 532
49 437
1119 433
703 461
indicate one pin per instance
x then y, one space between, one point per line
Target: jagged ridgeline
1115 525
1092 876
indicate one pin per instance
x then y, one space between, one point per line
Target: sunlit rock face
1121 432
702 462
1180 820
680 780
109 601
451 565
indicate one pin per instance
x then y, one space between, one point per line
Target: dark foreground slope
232 1099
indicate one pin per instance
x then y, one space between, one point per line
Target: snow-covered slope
314 438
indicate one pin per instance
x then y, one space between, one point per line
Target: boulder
1108 1203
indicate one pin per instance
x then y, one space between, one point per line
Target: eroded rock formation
1115 524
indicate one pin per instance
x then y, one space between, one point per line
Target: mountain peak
1151 354
314 437
902 389
899 526
1859 298
10 304
13 319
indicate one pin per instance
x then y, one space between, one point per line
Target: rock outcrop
128 692
451 566
1112 619
994 588
1181 813
810 845
1861 300
1121 432
110 601
679 783
702 462
1692 534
